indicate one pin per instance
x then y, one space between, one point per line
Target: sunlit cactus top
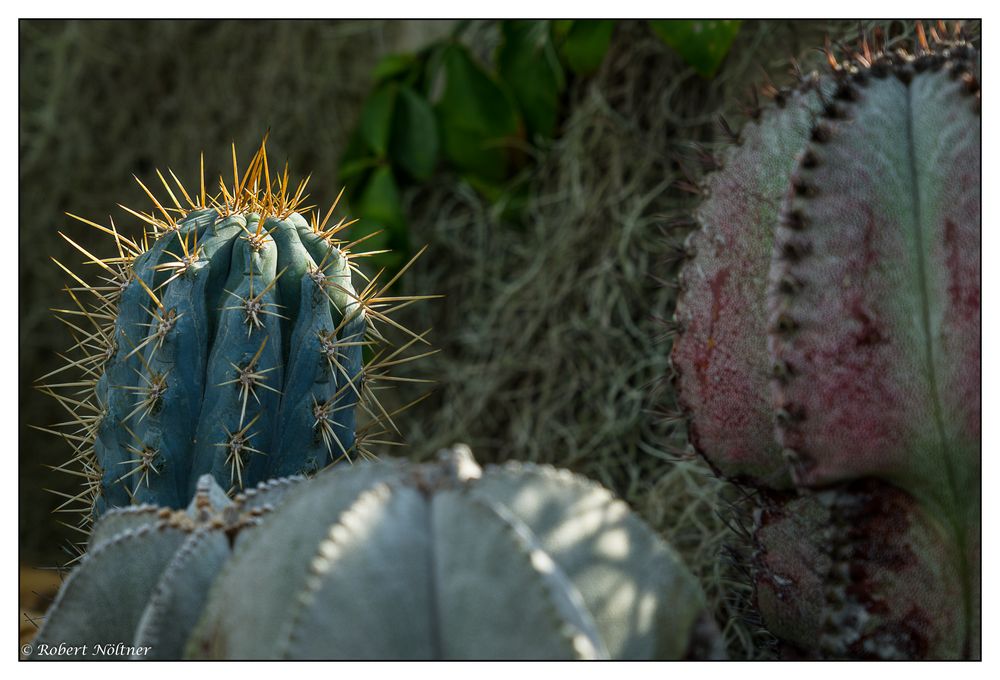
228 339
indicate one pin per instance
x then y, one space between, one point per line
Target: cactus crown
228 339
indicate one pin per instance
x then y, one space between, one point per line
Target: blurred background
547 166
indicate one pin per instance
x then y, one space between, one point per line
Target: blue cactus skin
228 340
272 301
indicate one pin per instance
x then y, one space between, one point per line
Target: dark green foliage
394 66
413 143
444 104
477 115
376 119
703 43
487 117
583 43
528 63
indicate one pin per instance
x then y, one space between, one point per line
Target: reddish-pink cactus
830 319
861 571
879 333
721 355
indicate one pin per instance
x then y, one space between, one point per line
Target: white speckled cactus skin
389 560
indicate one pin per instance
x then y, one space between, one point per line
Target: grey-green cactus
227 341
143 581
386 560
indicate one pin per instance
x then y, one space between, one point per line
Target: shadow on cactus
228 340
385 560
829 341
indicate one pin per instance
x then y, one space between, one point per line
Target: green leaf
414 141
380 202
355 162
702 43
527 62
376 119
352 172
379 209
394 67
490 190
473 94
477 116
560 29
471 153
356 147
584 44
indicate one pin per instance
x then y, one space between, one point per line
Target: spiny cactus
228 340
829 336
386 560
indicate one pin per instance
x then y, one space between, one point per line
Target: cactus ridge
859 571
228 340
897 357
99 599
719 360
174 605
829 343
833 170
148 565
499 480
446 524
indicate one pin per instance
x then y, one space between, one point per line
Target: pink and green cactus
829 341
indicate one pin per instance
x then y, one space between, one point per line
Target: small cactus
829 336
387 560
228 340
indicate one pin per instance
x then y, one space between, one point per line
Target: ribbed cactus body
829 336
242 361
228 341
861 571
387 560
721 358
147 571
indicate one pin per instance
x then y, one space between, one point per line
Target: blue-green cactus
228 341
385 560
